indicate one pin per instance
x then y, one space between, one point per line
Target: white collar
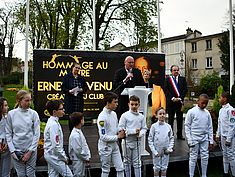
226 105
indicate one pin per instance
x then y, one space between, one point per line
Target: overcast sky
206 16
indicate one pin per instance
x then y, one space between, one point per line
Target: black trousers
175 108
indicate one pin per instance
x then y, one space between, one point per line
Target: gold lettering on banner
48 86
53 96
97 86
93 96
84 73
63 73
56 65
87 65
102 65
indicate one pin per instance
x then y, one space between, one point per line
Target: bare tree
127 14
53 23
7 39
68 23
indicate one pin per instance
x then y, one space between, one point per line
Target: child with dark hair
5 155
53 141
109 135
199 134
135 127
161 142
22 134
79 151
225 132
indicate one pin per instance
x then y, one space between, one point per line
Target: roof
174 38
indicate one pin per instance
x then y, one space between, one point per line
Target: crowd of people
20 129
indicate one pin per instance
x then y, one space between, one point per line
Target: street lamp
159 26
26 46
231 46
182 64
2 49
94 24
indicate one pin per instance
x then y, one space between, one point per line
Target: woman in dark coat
74 86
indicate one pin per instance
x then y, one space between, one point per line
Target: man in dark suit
175 88
126 77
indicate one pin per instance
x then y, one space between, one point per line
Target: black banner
97 67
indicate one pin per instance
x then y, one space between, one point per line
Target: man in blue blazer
175 88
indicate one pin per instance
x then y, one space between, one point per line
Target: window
208 62
194 63
194 46
177 47
165 48
208 45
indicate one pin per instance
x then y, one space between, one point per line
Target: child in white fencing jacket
135 127
108 137
22 134
54 152
79 151
199 134
226 132
5 155
161 142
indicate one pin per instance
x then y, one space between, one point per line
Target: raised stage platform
91 133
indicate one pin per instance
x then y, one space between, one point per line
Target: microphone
130 73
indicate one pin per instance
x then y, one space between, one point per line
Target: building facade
203 56
175 50
196 55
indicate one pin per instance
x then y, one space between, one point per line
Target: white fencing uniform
130 121
161 142
53 149
199 133
5 157
226 132
22 134
107 146
78 152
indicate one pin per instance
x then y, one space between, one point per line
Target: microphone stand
129 79
118 87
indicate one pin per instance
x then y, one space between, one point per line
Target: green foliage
16 78
13 78
139 19
209 84
25 87
68 24
10 94
53 23
224 48
11 98
186 108
17 86
216 105
42 126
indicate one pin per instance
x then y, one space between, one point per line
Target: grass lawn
10 94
